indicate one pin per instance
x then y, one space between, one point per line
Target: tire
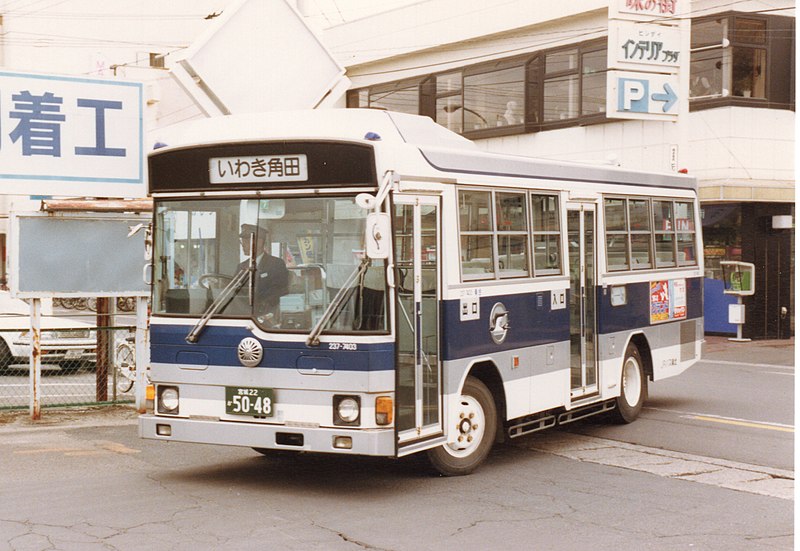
633 387
476 421
126 368
5 355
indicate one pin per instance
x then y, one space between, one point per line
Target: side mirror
378 233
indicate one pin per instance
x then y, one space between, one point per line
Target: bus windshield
305 250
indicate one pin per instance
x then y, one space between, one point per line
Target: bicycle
125 357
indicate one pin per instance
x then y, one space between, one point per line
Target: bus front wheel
475 422
633 387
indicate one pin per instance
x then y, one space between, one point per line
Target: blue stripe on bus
635 314
531 322
217 346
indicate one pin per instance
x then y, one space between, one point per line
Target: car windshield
305 250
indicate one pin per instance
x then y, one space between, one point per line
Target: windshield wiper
220 302
338 301
230 290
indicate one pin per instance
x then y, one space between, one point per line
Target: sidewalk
772 352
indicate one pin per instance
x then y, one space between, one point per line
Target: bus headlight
168 399
346 410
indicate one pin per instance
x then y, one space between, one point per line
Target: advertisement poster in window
667 300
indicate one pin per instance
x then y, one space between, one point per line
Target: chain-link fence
80 363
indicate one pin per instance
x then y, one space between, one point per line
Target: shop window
741 59
449 101
575 83
494 98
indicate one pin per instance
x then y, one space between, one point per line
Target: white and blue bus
425 295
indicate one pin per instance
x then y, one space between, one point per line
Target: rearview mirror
378 232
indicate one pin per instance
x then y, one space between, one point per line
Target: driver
271 277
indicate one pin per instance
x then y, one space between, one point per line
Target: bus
425 295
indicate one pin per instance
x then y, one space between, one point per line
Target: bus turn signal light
384 408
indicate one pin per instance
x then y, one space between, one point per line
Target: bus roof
442 150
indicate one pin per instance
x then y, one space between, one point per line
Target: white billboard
71 136
259 56
643 46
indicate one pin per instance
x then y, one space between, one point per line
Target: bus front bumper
378 442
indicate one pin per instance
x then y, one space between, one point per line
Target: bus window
512 234
639 217
546 235
475 217
616 234
664 225
305 249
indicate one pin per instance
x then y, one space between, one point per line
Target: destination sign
274 168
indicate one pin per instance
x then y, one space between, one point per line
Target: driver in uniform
271 277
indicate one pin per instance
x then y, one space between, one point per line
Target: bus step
531 425
584 412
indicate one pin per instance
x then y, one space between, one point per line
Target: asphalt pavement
716 349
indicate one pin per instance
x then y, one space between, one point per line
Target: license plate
73 354
250 401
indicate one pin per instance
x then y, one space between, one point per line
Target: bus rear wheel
476 425
633 387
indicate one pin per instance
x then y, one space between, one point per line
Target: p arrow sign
632 95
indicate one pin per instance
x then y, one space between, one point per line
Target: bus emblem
250 352
498 323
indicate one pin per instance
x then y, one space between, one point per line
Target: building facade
530 78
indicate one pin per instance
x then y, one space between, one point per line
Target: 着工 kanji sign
72 136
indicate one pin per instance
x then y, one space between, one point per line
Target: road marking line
749 424
731 420
46 450
745 364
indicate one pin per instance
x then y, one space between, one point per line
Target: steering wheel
214 281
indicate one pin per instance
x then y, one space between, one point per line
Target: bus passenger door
416 271
582 303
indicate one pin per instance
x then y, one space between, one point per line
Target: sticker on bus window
667 300
266 168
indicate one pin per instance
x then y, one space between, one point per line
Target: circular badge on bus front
498 323
250 352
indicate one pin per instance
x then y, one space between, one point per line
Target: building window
494 98
401 97
741 59
527 93
449 101
574 83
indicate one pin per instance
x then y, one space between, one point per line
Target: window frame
778 88
496 234
653 232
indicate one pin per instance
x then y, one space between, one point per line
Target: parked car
68 342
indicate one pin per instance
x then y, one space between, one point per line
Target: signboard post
71 136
